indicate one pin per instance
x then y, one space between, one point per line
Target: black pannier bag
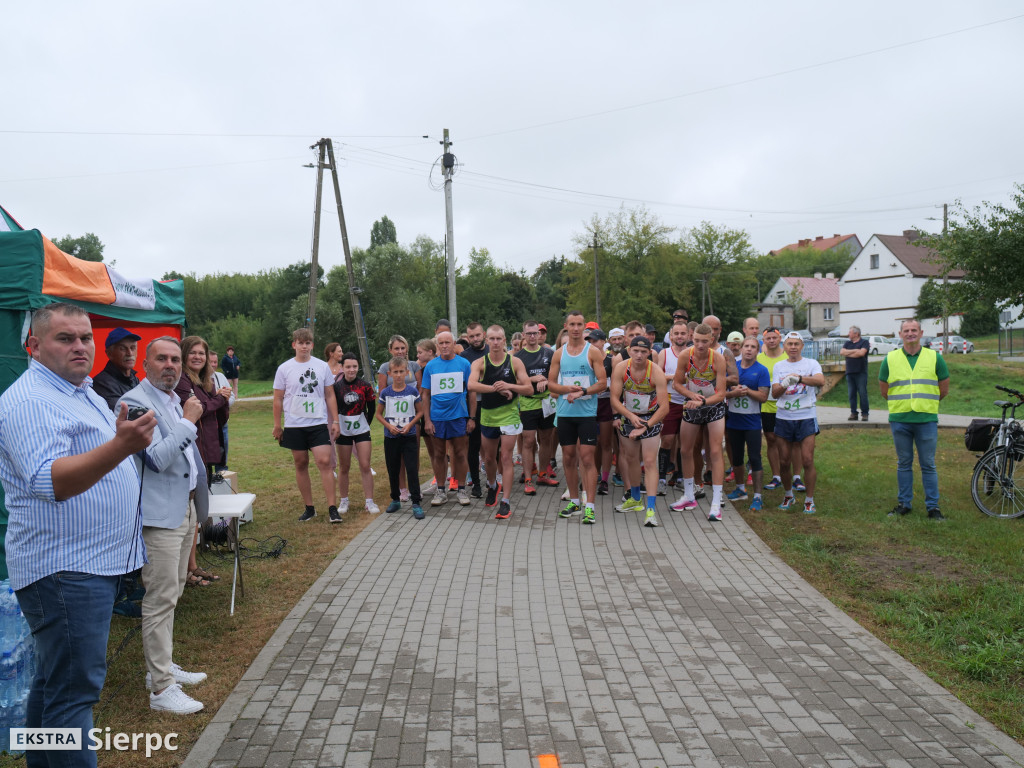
978 436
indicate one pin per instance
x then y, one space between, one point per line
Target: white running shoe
343 506
440 497
371 507
715 515
175 701
181 677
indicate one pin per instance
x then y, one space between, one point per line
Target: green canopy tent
34 273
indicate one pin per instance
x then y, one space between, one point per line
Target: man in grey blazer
174 495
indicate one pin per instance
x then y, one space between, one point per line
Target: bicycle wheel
997 486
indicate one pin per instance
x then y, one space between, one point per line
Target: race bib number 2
637 402
450 383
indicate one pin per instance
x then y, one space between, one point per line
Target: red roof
816 290
921 261
820 243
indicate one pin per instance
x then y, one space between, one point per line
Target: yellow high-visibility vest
913 389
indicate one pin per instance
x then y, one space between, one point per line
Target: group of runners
624 408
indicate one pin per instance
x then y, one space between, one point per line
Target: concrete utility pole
945 287
448 165
597 283
353 290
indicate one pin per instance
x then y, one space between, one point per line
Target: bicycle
997 485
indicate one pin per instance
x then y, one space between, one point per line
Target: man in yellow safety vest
913 380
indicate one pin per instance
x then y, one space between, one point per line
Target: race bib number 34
450 383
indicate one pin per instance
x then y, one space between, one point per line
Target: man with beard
475 348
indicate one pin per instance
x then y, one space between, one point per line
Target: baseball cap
735 336
616 332
542 326
640 341
794 335
596 334
650 328
592 326
120 334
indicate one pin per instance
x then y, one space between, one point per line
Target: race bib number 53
450 383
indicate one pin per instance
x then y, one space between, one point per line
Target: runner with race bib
306 419
355 408
795 383
399 407
450 415
500 379
640 397
743 421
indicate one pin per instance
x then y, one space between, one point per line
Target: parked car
880 345
836 333
954 345
806 336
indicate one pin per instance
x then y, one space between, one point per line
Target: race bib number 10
450 383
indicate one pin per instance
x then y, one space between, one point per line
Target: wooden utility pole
314 261
597 283
353 291
448 166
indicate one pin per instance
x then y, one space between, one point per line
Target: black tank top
494 374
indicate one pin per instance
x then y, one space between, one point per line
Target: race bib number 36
450 383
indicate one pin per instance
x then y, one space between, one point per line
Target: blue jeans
857 384
925 437
69 615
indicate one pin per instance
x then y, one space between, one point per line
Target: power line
747 81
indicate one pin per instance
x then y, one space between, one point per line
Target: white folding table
233 506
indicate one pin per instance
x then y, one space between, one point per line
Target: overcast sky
178 132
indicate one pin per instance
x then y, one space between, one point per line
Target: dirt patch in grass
901 564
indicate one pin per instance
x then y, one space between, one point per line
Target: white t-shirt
303 385
798 401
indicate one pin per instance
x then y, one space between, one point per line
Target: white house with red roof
880 289
821 293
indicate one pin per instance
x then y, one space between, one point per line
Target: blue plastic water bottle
8 679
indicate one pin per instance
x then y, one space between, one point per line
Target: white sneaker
403 495
440 497
463 496
175 701
715 515
371 507
181 677
565 496
343 506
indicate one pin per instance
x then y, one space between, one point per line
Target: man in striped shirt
72 492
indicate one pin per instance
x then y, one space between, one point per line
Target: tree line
646 270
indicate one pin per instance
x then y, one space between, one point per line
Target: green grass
255 387
947 596
972 385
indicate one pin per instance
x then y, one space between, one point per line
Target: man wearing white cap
795 383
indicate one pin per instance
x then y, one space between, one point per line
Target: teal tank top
576 369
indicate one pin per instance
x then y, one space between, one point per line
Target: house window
780 296
874 261
828 313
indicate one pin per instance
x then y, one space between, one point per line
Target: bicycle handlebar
1013 392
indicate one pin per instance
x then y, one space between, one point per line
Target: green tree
640 274
383 232
987 243
88 247
722 260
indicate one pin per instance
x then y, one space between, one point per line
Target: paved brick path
463 641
